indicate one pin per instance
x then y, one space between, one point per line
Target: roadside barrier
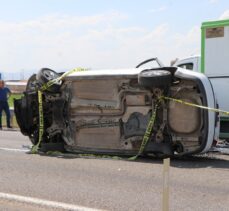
165 197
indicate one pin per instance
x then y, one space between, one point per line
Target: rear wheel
155 78
45 75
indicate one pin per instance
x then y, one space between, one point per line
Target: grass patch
11 105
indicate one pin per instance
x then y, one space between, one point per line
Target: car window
188 66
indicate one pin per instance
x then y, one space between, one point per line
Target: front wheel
155 78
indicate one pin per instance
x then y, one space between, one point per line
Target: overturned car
107 111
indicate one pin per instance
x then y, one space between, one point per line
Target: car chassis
107 111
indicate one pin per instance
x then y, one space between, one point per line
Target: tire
31 83
45 75
155 78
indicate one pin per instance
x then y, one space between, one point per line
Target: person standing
4 106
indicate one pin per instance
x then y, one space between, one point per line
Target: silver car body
107 112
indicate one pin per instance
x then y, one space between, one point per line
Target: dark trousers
5 107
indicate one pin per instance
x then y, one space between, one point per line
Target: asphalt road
198 183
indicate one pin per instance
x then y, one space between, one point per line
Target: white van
190 63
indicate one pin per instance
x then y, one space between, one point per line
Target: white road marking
14 150
45 203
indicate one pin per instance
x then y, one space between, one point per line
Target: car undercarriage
107 112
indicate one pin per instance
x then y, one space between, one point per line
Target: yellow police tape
41 123
195 105
147 133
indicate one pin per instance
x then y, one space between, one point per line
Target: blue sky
63 34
